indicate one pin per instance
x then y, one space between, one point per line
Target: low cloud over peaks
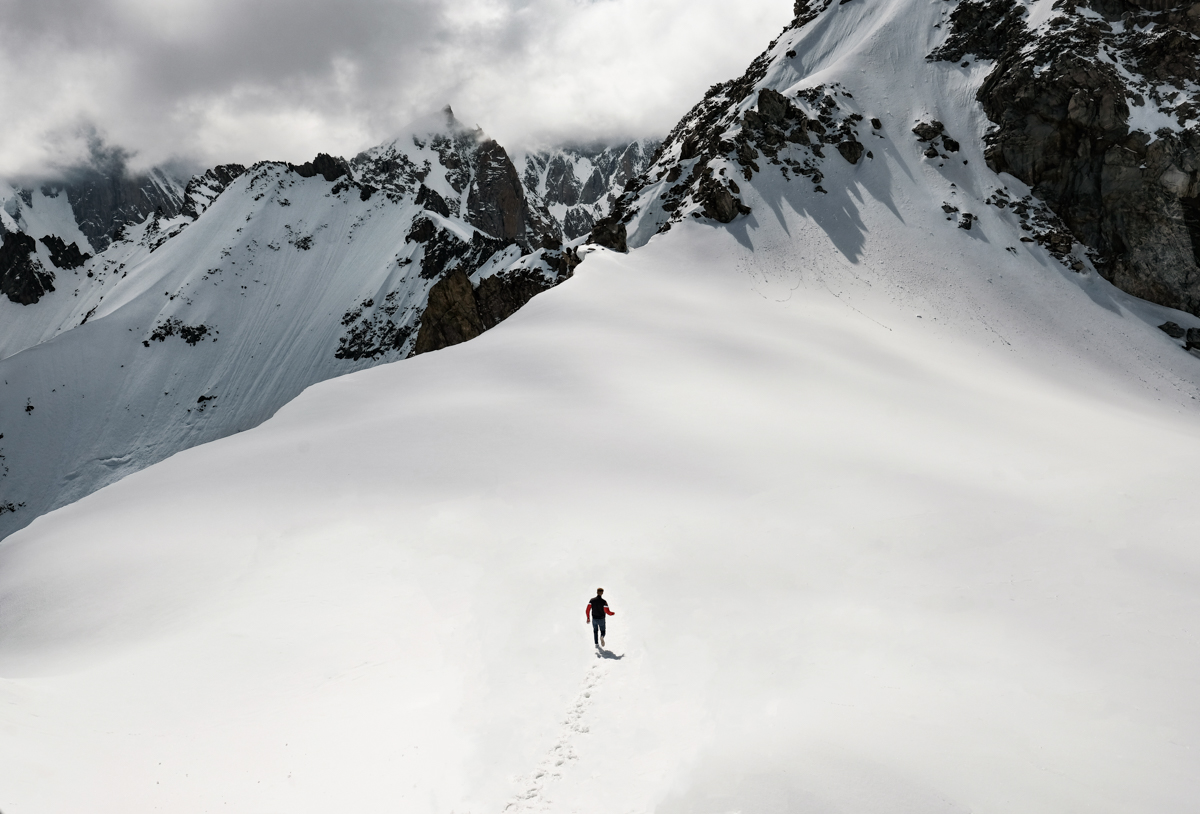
243 80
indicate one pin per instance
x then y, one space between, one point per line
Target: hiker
597 609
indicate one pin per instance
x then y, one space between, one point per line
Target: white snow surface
893 519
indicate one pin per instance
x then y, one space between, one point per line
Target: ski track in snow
562 755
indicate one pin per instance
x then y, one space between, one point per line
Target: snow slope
860 560
893 519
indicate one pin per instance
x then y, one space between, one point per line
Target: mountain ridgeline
148 315
204 314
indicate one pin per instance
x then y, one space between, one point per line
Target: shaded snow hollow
893 519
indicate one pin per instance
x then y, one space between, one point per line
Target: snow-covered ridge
1090 107
267 279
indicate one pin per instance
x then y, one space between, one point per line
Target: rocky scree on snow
734 131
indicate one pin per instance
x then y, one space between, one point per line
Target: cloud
242 80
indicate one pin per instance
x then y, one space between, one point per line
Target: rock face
1066 100
451 316
22 277
496 202
457 311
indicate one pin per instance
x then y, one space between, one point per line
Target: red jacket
587 613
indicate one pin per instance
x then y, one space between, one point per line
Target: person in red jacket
597 610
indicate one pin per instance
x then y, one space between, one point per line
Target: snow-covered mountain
889 485
579 184
192 327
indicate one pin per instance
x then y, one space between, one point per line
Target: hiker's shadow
601 653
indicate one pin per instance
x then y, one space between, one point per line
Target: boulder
928 131
1192 337
773 105
851 150
717 202
1172 330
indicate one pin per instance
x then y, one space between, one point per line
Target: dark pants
597 628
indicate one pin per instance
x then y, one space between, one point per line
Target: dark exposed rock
876 124
172 326
1192 338
561 185
325 165
593 189
986 28
851 151
928 131
421 231
577 222
496 202
22 276
62 255
1062 109
966 220
610 233
456 313
773 105
717 201
1172 330
445 251
451 317
432 201
500 296
950 144
203 189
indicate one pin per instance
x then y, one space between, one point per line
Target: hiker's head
599 592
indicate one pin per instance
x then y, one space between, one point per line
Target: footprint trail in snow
533 796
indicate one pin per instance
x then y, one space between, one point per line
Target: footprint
562 753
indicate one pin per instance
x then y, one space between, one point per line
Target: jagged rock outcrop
203 189
62 255
23 279
1067 100
457 312
325 165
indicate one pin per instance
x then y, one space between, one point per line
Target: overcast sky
212 81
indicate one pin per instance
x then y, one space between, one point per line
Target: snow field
860 562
